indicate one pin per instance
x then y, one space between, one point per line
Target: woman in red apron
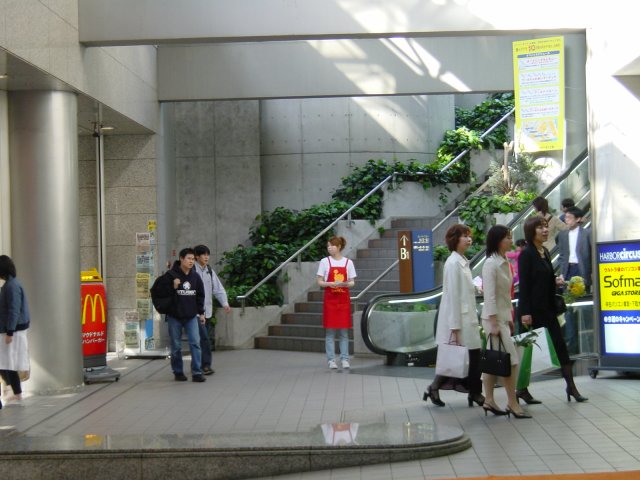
336 275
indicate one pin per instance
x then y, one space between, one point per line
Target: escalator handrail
476 258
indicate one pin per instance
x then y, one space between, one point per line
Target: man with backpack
184 309
212 288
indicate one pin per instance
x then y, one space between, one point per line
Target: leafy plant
521 175
477 211
278 234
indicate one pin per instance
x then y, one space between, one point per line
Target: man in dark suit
574 259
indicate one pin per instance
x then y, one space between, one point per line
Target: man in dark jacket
574 259
186 312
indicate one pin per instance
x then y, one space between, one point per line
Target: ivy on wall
278 234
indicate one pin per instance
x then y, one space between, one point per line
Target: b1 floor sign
93 301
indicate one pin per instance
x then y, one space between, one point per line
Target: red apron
336 311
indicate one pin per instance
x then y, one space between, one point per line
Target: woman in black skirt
536 302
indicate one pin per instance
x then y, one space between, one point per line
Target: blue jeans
175 334
205 342
343 341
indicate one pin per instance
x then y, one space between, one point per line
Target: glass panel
404 324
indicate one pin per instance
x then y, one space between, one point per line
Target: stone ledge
225 456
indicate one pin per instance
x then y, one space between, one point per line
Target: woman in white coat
497 319
458 319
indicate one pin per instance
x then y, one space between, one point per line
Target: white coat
458 305
496 285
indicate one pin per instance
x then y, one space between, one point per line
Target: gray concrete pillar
45 238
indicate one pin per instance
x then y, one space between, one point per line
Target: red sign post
93 301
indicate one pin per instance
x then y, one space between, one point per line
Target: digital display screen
619 273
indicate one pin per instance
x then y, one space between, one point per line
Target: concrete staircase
302 330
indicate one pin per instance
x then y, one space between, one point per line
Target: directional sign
422 260
406 267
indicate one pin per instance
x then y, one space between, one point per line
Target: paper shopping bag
452 360
544 356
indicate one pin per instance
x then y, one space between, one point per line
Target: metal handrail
467 150
242 298
376 280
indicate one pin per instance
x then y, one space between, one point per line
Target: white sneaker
333 365
345 364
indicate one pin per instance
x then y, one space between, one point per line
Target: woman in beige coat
458 318
541 205
497 319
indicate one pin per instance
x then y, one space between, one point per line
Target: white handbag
452 360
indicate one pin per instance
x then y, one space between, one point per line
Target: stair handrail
579 159
243 298
376 280
489 130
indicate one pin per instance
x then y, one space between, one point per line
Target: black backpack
163 295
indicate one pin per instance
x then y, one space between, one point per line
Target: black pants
12 378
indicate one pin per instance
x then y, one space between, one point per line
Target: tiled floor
269 391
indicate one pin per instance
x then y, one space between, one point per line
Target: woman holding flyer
336 275
497 319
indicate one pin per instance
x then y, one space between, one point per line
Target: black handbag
495 362
561 306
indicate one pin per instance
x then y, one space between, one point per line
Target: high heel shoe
527 397
434 396
576 395
475 397
495 410
517 414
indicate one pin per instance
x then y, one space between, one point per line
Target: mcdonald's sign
94 319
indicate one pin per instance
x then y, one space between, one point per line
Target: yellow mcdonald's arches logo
92 301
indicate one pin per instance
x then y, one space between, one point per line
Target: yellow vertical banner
538 78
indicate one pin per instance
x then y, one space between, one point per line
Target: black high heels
518 415
434 396
527 397
576 395
475 397
495 410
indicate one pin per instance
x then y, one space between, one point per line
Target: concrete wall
613 72
308 145
216 150
130 198
45 34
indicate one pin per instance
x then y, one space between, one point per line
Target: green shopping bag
524 373
540 359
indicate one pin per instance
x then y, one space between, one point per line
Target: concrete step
302 318
384 242
373 263
295 344
363 253
372 274
414 223
383 285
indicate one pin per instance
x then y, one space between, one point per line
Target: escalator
402 326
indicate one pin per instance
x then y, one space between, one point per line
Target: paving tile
270 391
